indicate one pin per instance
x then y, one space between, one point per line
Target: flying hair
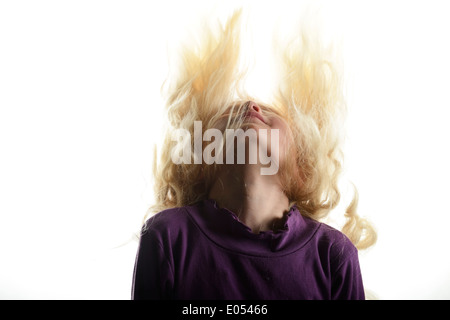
207 84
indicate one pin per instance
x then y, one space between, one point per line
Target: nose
254 107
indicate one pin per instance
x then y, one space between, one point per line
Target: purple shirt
205 252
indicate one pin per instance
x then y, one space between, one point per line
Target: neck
258 200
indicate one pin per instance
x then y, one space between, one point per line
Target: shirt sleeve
152 277
347 281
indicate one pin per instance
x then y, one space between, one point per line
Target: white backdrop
80 109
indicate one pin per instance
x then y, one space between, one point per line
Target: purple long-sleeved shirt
205 252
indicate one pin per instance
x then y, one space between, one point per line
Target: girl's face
253 116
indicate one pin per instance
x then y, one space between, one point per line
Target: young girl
227 230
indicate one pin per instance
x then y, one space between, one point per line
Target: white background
80 109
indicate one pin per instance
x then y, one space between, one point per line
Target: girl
224 230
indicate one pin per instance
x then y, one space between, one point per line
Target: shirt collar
224 228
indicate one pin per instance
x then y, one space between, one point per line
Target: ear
208 70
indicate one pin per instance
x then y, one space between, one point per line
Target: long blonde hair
208 80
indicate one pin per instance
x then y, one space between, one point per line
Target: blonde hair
208 80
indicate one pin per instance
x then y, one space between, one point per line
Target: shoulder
334 245
169 222
339 258
168 218
335 237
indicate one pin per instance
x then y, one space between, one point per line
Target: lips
253 114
